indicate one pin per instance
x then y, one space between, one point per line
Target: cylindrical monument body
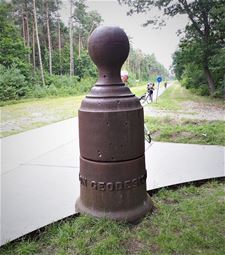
111 135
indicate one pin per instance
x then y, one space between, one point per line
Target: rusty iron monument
111 135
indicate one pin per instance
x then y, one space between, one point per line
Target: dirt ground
191 110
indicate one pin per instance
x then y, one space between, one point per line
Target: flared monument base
131 215
115 190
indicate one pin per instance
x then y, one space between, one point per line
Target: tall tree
59 36
71 39
27 29
84 22
21 14
202 27
49 38
23 27
38 43
33 45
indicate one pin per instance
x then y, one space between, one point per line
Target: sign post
159 79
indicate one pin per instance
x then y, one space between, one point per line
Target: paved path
39 174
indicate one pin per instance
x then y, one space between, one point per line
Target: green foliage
143 67
84 67
13 84
15 23
12 50
61 65
217 66
203 42
57 85
202 51
189 71
14 54
193 78
85 21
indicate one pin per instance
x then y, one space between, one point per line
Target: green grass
33 113
189 220
37 113
172 98
186 130
138 91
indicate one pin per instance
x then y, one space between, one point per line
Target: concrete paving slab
64 156
34 196
39 181
20 148
172 163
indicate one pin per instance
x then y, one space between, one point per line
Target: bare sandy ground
191 110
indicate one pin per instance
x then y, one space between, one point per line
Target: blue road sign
159 79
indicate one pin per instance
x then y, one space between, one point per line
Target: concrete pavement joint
46 165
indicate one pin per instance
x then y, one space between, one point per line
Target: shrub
13 84
38 91
60 81
201 91
57 85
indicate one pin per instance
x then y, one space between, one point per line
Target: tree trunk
28 38
59 43
139 70
28 34
49 38
59 46
38 43
23 26
33 48
71 39
210 80
79 46
27 29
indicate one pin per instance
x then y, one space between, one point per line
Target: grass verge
172 98
189 220
28 115
186 130
138 91
34 113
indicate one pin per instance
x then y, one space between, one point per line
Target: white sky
162 42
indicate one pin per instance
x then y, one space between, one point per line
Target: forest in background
42 56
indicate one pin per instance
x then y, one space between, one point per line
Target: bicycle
147 134
143 98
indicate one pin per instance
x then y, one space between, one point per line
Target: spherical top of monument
108 46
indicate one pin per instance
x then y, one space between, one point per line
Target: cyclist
150 89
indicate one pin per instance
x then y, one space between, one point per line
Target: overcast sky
162 42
